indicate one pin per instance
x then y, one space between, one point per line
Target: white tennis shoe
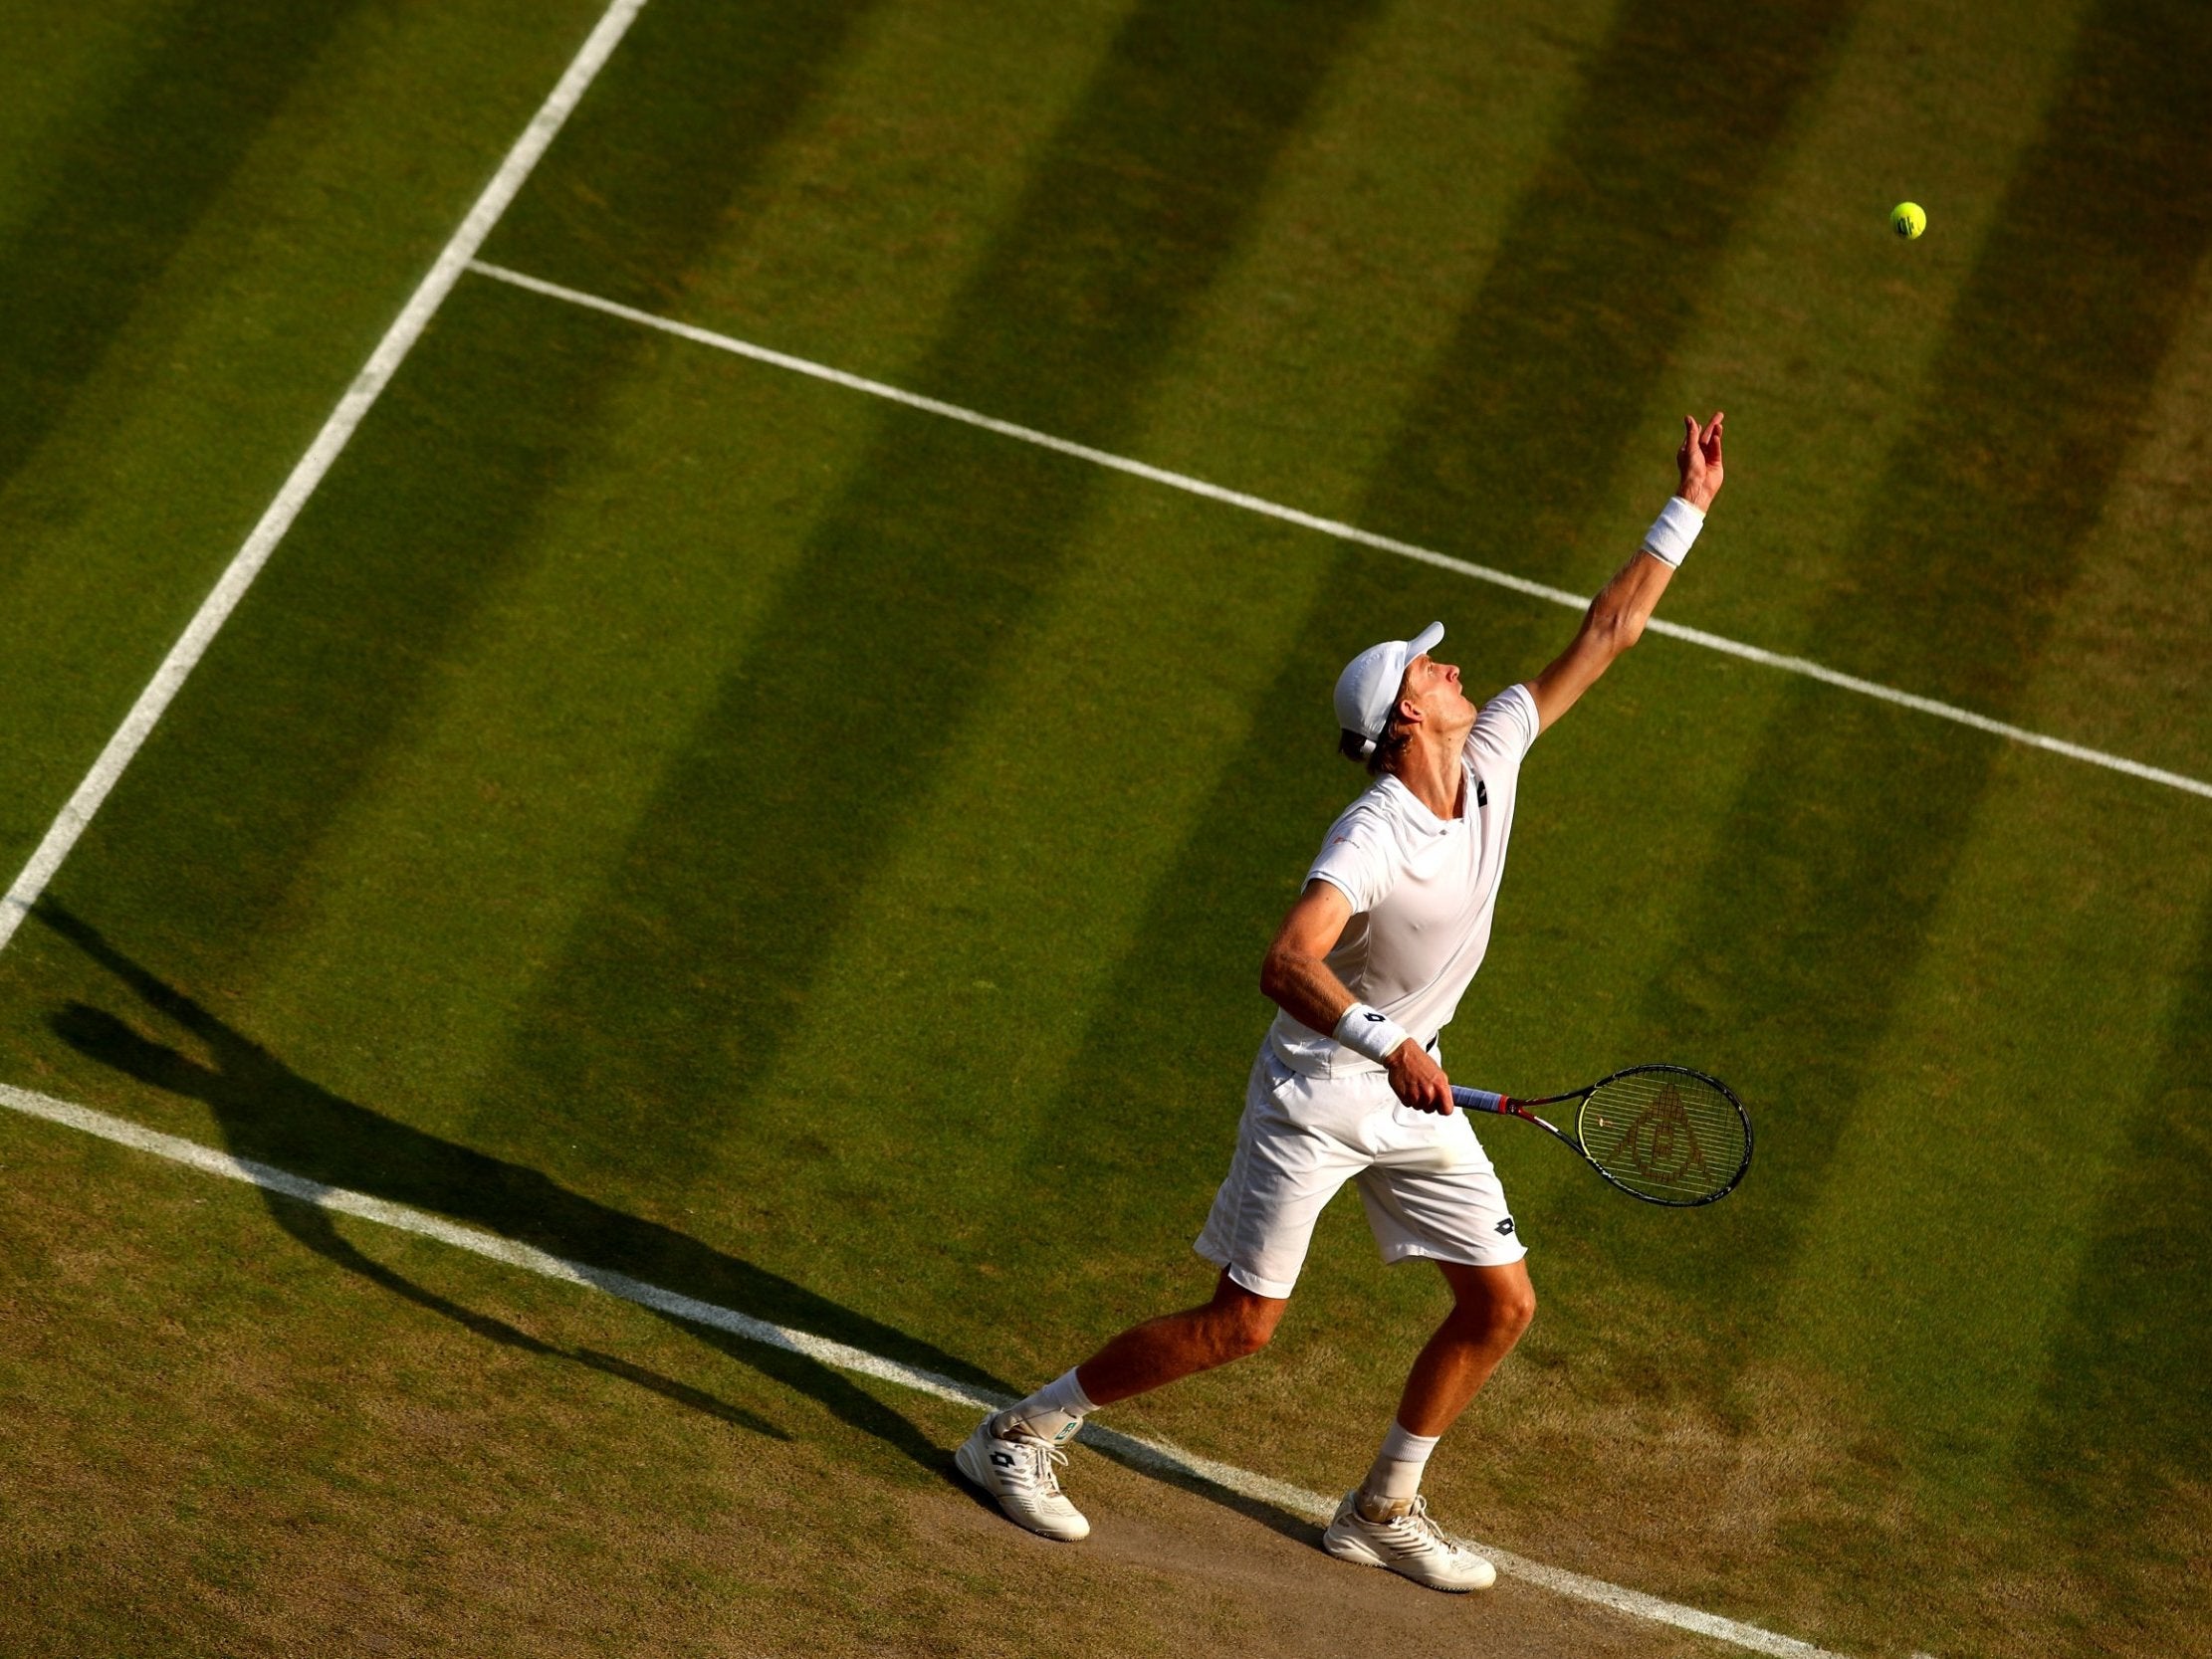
1405 1540
1022 1471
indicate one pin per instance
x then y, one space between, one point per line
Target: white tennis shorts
1427 1183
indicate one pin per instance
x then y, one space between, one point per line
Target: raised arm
1615 617
1297 977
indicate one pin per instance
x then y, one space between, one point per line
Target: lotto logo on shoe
1003 1460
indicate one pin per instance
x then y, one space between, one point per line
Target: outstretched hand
1699 461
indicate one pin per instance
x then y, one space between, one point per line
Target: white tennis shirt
1422 890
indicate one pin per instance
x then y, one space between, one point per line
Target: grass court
815 855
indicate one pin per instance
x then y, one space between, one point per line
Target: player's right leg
1015 1455
1020 1470
1262 1219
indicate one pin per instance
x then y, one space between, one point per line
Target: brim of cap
1427 640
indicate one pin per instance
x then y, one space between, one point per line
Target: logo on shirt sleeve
1481 795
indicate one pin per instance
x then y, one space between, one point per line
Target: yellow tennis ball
1907 220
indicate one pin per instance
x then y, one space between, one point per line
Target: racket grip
1478 1100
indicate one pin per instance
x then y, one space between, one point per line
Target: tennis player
1350 1085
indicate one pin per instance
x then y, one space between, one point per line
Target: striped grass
686 818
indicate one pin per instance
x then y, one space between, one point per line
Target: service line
307 472
1151 1454
1336 528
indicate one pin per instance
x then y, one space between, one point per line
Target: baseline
1334 529
1156 1455
360 395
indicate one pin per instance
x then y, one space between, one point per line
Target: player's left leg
1491 1307
1385 1522
1433 1193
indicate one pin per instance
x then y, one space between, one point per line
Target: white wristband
1368 1032
1671 532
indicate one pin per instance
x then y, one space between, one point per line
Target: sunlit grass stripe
1149 1454
1336 528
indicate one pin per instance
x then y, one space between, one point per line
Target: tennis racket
1664 1133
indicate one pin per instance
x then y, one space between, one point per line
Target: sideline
1336 528
1149 1453
307 473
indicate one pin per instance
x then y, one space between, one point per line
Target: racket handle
1478 1100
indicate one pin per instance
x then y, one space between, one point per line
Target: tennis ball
1907 220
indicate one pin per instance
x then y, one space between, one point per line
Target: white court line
1336 528
1149 1453
307 472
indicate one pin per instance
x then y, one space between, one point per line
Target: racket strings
1669 1135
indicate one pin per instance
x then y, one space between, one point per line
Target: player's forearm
1617 616
1305 988
1614 622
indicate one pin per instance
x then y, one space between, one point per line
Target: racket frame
1485 1100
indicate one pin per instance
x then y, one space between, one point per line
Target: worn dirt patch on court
1176 1566
227 1443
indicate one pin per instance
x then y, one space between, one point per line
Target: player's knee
1500 1311
1517 1310
1249 1334
1244 1328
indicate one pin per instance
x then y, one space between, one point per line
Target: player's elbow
1278 971
1614 628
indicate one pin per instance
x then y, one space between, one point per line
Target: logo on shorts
1505 1224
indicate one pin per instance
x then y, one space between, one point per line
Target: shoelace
1043 1455
1422 1526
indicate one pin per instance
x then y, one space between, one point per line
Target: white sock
1396 1476
1053 1412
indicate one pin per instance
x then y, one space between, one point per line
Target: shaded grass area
414 530
739 878
678 123
267 265
2120 1427
128 190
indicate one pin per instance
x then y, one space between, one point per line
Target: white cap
1367 690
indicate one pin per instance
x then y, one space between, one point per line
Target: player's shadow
272 1114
